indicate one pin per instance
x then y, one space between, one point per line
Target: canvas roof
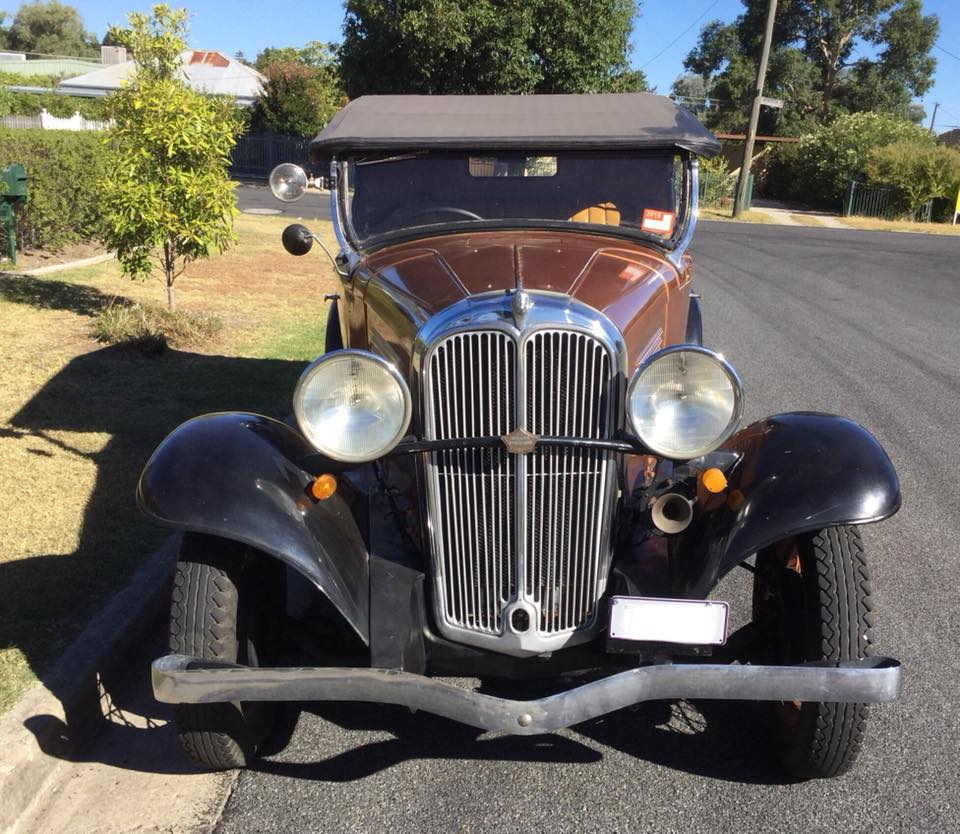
595 121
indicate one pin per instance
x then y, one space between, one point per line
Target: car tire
208 621
813 597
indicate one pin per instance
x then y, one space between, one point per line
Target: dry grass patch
877 225
745 217
78 420
152 329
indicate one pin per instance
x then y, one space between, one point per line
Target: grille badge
520 441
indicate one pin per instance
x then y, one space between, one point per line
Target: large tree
819 61
487 46
51 28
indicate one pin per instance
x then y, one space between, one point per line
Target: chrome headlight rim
304 426
735 417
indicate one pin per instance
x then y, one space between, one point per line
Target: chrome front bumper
178 679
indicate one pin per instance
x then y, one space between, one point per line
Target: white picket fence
50 122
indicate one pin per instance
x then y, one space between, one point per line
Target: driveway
860 323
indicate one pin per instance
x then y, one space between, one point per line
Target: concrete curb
62 711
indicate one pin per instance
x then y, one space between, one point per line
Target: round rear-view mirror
288 182
297 239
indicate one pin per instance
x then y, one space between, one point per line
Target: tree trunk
168 266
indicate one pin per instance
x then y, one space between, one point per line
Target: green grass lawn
78 421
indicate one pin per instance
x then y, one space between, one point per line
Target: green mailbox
13 192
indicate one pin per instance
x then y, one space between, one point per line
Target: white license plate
687 621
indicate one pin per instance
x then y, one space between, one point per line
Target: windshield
388 196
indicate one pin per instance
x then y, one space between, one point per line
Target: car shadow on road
714 739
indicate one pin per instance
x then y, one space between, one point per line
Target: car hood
633 285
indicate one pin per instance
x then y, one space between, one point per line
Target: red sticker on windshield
657 222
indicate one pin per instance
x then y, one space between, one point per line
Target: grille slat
472 385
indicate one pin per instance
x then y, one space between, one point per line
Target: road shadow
106 410
714 739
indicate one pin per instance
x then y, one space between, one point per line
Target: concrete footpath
785 215
87 749
132 777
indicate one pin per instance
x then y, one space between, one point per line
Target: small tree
167 199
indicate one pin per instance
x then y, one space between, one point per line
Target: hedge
63 169
818 169
30 104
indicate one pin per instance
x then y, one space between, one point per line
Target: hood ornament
521 304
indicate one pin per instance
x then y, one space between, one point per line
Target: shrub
297 99
917 173
63 168
717 183
827 159
150 328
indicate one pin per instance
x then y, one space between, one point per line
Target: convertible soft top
627 121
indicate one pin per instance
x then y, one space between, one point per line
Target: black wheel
215 614
812 598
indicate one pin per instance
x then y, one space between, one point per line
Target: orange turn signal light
323 487
714 480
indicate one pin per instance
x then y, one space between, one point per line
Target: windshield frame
353 247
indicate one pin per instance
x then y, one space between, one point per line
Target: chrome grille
472 382
524 530
567 390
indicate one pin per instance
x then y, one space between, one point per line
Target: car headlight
352 406
684 401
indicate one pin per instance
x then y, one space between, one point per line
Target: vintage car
516 458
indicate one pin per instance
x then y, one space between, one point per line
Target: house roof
205 70
951 137
46 66
598 121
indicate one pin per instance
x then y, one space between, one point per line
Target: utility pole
933 118
755 112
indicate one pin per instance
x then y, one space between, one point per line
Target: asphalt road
258 199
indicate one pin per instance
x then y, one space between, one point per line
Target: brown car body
395 290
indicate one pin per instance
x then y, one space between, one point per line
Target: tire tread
203 623
845 608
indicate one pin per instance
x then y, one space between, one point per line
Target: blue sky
250 25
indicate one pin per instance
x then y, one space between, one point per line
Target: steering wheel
469 215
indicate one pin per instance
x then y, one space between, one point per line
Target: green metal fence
865 200
719 190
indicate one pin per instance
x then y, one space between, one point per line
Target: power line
695 22
948 52
951 115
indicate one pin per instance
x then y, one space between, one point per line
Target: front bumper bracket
178 679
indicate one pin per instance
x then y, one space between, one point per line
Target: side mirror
297 239
288 182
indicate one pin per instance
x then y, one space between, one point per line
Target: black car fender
795 473
242 477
